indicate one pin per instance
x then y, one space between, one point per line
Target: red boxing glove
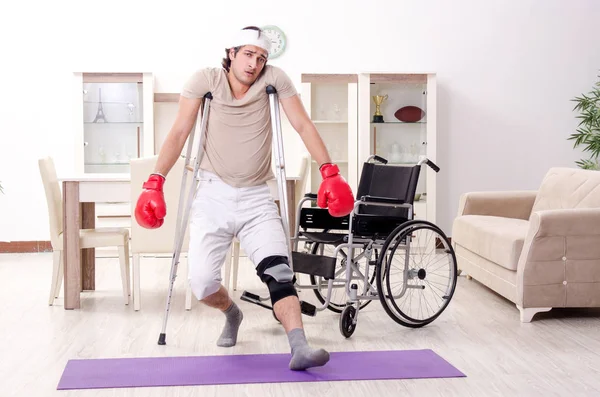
334 192
151 208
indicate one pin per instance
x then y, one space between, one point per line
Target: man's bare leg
221 300
287 311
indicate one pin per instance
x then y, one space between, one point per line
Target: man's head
247 54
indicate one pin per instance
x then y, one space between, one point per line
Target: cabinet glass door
113 125
398 125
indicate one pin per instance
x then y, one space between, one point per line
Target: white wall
506 75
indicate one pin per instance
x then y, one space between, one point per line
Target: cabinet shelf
400 122
113 122
330 121
122 163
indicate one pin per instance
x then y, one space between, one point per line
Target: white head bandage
250 37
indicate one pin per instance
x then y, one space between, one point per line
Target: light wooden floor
556 355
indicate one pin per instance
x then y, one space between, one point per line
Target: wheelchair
377 252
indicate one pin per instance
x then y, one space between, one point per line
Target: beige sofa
539 249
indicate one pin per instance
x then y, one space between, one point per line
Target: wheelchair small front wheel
347 325
337 302
416 273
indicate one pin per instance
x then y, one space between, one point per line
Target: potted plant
588 131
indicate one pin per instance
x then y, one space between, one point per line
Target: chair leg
136 282
188 287
236 262
56 275
124 262
227 269
128 268
61 274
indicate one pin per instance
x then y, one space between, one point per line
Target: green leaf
587 133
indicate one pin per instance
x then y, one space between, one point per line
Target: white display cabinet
331 102
403 130
114 120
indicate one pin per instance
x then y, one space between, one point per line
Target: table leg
71 251
88 255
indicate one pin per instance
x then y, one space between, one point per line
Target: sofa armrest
566 222
561 251
508 204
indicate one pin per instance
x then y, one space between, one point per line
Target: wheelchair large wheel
416 273
339 298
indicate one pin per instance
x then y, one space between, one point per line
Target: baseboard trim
438 242
13 247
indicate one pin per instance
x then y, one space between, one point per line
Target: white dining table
81 192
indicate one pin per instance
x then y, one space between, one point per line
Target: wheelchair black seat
325 237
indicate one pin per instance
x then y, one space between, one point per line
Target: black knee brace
276 273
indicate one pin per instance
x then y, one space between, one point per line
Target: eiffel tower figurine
100 112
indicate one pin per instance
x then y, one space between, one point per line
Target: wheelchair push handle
425 160
377 158
433 166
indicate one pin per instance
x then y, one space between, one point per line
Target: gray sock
304 356
233 319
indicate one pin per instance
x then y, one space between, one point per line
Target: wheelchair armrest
311 195
383 200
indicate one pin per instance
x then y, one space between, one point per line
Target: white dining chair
88 238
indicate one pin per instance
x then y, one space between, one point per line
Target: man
233 198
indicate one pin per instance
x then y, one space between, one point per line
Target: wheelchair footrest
308 309
253 298
305 307
316 265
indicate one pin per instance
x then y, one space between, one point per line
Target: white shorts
220 212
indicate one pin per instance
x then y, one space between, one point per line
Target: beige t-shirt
238 143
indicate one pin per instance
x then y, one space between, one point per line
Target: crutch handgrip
271 90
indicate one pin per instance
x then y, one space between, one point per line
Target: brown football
409 114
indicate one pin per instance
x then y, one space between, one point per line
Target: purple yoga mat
251 368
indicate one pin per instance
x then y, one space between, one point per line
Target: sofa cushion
497 239
566 188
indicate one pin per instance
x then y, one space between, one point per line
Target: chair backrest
161 240
53 199
389 181
301 183
566 188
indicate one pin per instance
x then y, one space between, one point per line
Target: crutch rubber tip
162 339
271 89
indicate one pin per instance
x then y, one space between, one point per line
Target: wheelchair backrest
319 218
389 181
